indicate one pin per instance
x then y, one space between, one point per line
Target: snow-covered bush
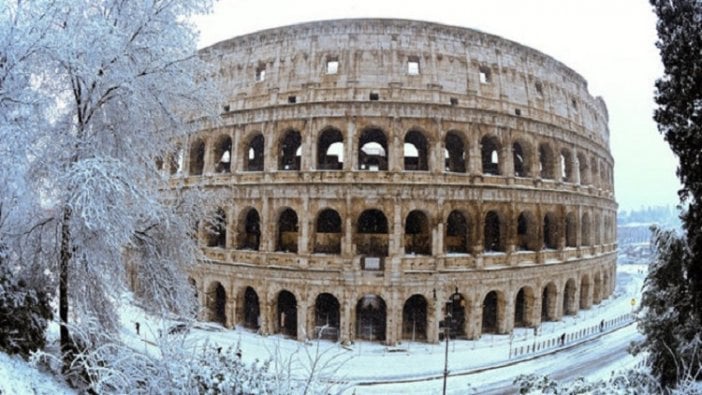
630 382
24 314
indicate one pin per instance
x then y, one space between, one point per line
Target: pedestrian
563 336
602 326
136 326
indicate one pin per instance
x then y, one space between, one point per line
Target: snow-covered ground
413 366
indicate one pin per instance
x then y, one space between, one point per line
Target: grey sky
609 42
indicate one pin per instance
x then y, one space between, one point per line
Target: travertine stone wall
471 176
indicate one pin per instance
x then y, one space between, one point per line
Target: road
592 359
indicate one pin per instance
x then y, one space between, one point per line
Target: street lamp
447 323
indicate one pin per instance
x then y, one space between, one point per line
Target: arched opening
585 292
252 309
492 311
326 317
223 154
597 289
216 230
193 286
594 172
415 151
566 165
520 159
289 153
372 233
492 232
523 307
527 235
287 314
606 286
287 231
327 237
548 302
417 234
249 230
583 169
414 318
197 157
370 318
598 230
571 230
457 233
372 154
550 232
546 161
253 157
217 303
454 153
456 308
175 160
569 306
490 155
585 238
330 150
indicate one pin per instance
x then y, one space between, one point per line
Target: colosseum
382 175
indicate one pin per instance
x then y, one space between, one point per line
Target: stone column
506 160
208 159
302 326
237 153
270 152
351 147
304 238
475 165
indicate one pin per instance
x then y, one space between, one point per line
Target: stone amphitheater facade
380 175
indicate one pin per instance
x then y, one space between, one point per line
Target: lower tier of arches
306 304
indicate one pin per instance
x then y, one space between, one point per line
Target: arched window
290 151
520 159
417 234
594 172
372 154
197 157
571 230
490 155
550 231
548 302
566 165
287 313
326 317
252 309
585 238
253 157
415 150
216 231
175 160
328 232
287 231
492 232
371 314
546 161
454 153
523 307
569 305
585 292
217 303
493 311
414 318
249 230
223 154
457 233
372 233
330 150
527 235
583 169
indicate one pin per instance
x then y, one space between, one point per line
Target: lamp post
447 323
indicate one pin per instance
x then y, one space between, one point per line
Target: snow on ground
18 377
366 361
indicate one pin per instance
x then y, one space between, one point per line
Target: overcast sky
609 42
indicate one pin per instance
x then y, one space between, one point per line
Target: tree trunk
65 257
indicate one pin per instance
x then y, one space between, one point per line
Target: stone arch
371 236
546 161
457 307
571 230
286 235
216 229
550 227
175 160
418 238
583 169
328 233
521 156
585 286
490 154
373 150
217 303
455 153
567 173
457 233
585 237
594 172
253 155
330 150
222 154
414 318
493 312
290 151
597 288
569 303
416 149
197 157
606 285
251 309
598 229
371 316
527 232
249 230
549 306
493 235
524 307
327 316
286 317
